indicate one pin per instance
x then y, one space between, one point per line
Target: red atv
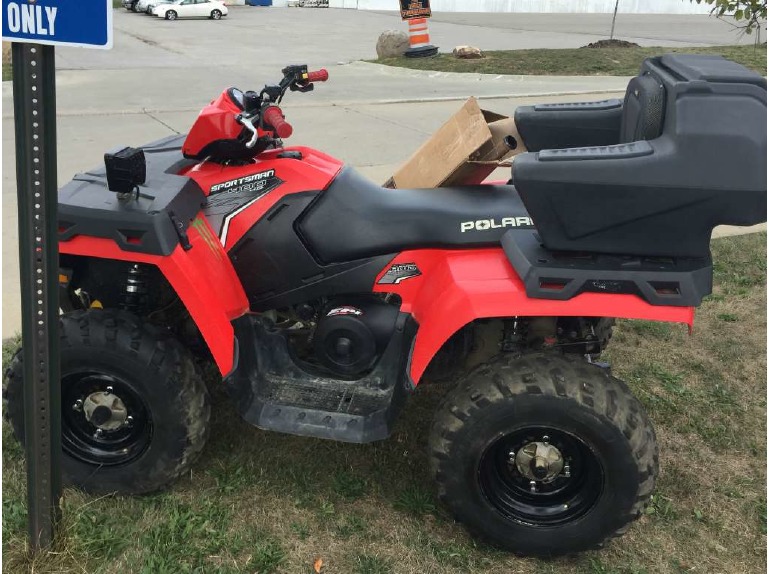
325 299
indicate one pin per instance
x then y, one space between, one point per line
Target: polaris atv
324 299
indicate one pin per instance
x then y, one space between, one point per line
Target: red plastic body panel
215 122
314 172
457 287
203 277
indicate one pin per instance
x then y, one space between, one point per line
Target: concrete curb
339 104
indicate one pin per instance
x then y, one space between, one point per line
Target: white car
150 11
213 9
141 5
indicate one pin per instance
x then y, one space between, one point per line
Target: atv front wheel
135 411
543 455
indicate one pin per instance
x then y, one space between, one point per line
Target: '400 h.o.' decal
399 272
231 197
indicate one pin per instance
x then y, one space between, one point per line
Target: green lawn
260 502
574 62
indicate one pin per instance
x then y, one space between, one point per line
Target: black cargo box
690 153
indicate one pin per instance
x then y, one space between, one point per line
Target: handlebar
263 108
318 76
273 116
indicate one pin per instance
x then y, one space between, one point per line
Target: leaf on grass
317 565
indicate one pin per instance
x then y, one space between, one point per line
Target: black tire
159 384
170 15
594 415
216 14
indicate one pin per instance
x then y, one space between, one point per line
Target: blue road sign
85 23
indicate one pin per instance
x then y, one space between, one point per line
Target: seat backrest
643 109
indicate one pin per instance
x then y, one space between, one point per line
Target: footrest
274 391
681 282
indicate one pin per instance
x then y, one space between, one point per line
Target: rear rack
681 282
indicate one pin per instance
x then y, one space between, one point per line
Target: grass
269 503
574 62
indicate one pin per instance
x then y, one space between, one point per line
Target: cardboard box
465 150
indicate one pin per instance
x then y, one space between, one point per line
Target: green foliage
415 500
750 13
348 485
370 564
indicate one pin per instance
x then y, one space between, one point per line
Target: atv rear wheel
543 455
135 410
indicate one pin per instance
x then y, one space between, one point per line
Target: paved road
161 73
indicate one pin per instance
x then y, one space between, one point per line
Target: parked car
150 11
191 9
129 5
141 5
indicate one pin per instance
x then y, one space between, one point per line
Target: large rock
392 44
467 52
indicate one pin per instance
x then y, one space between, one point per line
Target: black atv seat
355 218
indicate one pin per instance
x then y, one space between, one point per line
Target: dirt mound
611 44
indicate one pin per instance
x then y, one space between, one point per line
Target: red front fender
203 277
457 287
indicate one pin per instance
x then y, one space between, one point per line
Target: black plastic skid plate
658 280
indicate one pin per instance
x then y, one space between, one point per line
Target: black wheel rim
552 503
80 438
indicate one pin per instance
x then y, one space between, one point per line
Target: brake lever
297 87
246 122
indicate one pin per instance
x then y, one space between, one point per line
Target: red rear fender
458 287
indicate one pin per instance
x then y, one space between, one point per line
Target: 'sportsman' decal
236 195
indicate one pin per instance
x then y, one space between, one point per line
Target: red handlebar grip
273 116
319 76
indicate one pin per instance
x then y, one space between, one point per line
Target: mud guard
449 289
202 276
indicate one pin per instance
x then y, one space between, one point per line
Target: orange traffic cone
419 39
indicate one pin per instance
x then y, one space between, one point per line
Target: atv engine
351 334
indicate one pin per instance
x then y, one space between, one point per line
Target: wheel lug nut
129 421
78 406
98 433
108 391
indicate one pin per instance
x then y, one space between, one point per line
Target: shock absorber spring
135 291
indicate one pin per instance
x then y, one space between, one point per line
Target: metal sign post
35 27
34 105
